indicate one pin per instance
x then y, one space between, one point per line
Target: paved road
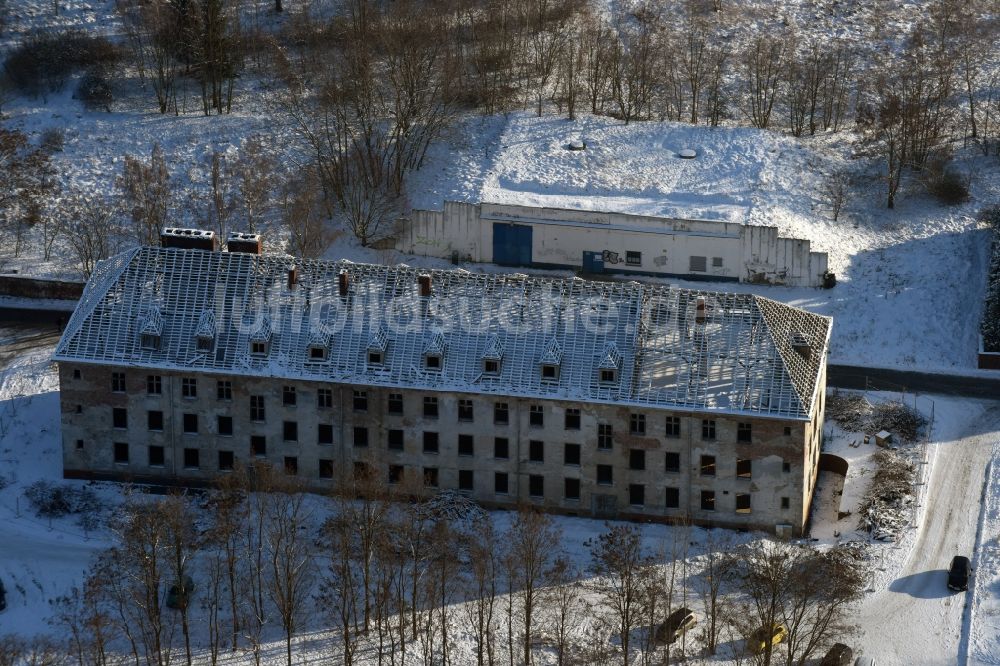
916 620
887 379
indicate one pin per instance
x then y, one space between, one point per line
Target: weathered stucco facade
611 399
774 471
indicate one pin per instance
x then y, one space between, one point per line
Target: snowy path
916 619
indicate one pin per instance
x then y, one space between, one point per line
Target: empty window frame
192 458
786 466
742 502
258 446
224 426
324 398
605 436
672 498
394 440
637 459
637 424
571 489
156 458
190 424
572 420
325 468
536 451
785 503
465 410
608 376
189 387
571 454
430 407
550 372
360 401
633 258
288 396
605 475
431 477
672 427
536 486
491 366
395 474
708 429
707 466
536 416
395 404
708 500
290 431
672 461
501 483
431 442
121 453
432 362
226 461
154 384
257 408
466 480
501 448
697 264
466 445
119 417
743 433
360 437
291 465
117 382
636 494
501 413
324 434
744 468
154 419
223 389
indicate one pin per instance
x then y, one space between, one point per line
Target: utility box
883 438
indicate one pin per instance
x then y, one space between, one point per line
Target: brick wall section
776 445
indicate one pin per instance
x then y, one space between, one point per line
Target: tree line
397 581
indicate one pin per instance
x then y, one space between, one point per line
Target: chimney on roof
293 277
239 241
425 284
189 239
699 316
343 283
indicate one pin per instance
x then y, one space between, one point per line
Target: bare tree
484 551
91 228
82 616
146 194
565 603
618 562
716 571
182 544
530 557
253 171
761 71
302 215
836 189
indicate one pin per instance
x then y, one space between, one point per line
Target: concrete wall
746 253
25 287
87 404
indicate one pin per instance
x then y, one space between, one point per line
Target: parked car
838 655
675 625
178 595
760 639
958 574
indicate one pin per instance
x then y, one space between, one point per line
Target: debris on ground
885 508
452 506
854 412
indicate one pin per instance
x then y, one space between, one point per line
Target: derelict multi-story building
596 398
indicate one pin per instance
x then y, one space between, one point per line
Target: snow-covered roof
746 358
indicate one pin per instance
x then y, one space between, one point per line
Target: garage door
511 244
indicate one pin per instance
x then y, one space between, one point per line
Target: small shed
883 438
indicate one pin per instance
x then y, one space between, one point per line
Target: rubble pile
853 412
451 506
885 506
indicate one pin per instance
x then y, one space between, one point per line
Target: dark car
674 626
838 655
958 574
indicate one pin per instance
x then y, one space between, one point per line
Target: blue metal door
593 262
511 244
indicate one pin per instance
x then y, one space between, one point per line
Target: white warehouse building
599 242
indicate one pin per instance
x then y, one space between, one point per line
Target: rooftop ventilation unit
189 239
239 241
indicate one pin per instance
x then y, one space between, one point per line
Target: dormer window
319 347
377 344
609 364
258 348
151 329
492 356
317 352
260 338
434 353
204 334
550 361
